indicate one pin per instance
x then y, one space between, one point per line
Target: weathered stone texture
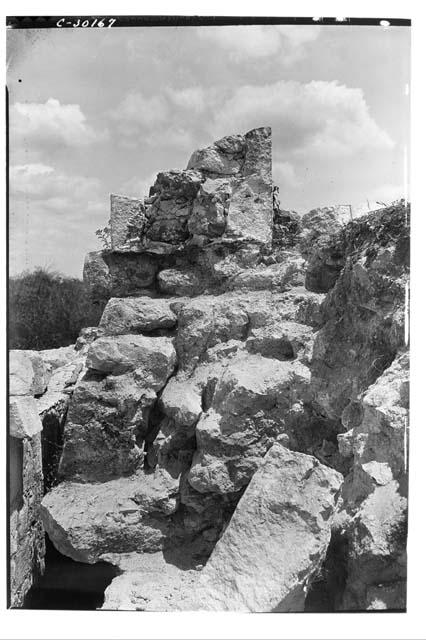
85 521
245 360
364 313
276 539
255 400
136 315
223 197
154 358
24 421
28 374
127 222
26 531
375 495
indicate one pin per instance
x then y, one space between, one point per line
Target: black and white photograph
208 233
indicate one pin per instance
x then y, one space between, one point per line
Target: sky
101 111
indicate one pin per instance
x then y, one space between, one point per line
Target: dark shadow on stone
52 440
70 585
326 592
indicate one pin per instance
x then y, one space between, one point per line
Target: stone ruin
232 433
199 231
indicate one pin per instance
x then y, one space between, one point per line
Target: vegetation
47 310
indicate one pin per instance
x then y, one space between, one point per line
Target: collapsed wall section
219 344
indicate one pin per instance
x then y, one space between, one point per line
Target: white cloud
193 98
261 41
41 183
53 216
164 120
50 123
317 117
138 111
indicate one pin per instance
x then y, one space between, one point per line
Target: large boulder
108 418
375 493
154 358
364 313
276 540
255 400
377 556
136 315
85 521
239 207
225 157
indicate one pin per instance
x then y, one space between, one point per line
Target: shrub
47 310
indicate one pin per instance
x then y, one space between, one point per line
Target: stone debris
276 539
232 435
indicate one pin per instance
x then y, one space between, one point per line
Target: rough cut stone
181 401
375 494
210 208
254 401
224 158
28 374
377 539
277 277
130 274
364 313
136 315
258 158
127 221
154 358
24 421
85 521
250 211
61 384
27 546
59 357
168 214
175 282
283 341
206 321
106 424
276 540
97 277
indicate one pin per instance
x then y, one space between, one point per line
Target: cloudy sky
102 111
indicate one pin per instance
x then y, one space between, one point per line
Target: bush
47 310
